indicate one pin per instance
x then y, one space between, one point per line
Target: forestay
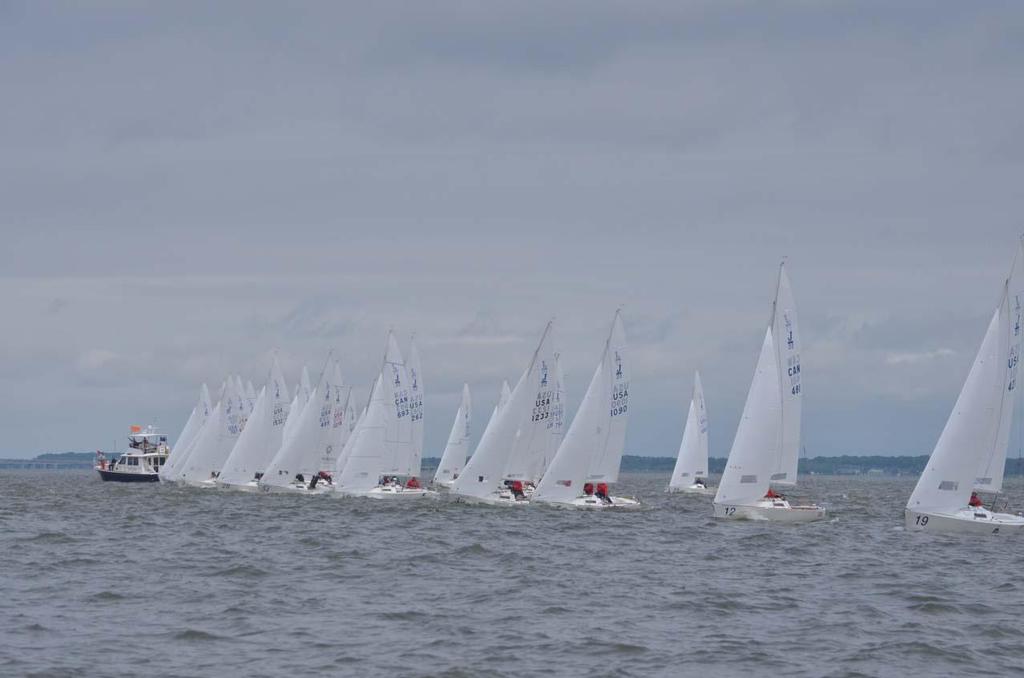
753 454
692 462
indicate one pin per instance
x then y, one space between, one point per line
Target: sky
187 188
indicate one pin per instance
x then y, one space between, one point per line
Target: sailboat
589 456
690 474
766 448
298 465
262 436
183 445
538 438
453 459
512 430
970 455
384 443
216 440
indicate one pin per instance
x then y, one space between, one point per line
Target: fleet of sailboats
310 441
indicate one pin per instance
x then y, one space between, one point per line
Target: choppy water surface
122 579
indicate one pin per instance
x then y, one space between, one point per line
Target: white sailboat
511 430
262 436
970 455
350 438
183 445
588 459
384 444
298 465
453 459
690 474
767 443
216 440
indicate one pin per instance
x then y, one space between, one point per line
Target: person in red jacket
588 489
413 483
517 490
975 501
602 493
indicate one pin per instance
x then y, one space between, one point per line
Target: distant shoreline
845 465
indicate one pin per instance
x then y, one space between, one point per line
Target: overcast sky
186 187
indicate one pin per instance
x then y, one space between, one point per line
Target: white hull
693 489
593 503
773 510
210 483
296 488
494 499
391 492
964 521
444 485
251 486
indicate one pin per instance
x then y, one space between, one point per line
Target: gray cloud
186 188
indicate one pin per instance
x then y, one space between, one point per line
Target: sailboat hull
614 503
390 492
965 521
693 489
495 499
771 511
251 486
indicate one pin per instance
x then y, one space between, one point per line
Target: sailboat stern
771 510
965 521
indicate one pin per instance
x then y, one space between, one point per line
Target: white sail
453 459
398 420
263 434
532 449
368 444
334 436
346 449
555 425
415 409
301 450
989 477
485 470
506 394
593 446
787 352
212 449
605 462
185 440
754 449
250 395
302 392
945 484
692 462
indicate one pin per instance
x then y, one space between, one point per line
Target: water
120 579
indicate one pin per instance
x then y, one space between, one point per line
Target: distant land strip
845 465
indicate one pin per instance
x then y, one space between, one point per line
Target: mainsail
415 409
183 445
787 356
